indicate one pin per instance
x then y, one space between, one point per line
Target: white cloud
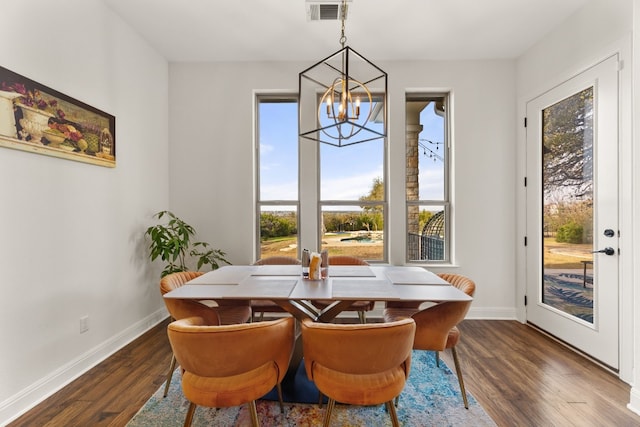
286 191
349 188
266 149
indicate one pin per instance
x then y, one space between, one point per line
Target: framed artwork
36 118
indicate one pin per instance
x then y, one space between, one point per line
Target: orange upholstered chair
361 307
226 312
267 306
358 364
346 260
436 326
229 311
278 260
229 365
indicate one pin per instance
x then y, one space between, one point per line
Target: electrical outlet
84 324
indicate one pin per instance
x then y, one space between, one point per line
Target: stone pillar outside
413 191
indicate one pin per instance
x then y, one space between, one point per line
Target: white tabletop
285 282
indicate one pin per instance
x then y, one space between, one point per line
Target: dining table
285 286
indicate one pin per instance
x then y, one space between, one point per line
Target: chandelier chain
343 38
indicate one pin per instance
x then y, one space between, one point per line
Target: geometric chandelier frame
342 100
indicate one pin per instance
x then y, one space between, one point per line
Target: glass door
572 212
567 205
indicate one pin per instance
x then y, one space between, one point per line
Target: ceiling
278 30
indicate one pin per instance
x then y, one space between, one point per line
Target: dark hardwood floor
520 377
111 393
524 378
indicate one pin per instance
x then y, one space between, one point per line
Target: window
353 199
351 192
277 176
427 183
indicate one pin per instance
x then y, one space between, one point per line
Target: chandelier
343 98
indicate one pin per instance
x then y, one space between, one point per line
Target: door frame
623 49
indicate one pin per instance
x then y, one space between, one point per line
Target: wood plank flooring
111 393
524 378
519 376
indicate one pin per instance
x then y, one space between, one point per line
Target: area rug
431 398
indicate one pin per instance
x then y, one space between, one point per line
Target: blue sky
347 173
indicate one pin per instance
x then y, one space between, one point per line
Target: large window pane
348 173
354 230
278 231
432 153
430 243
567 171
278 137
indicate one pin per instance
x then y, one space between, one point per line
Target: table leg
331 311
296 356
299 309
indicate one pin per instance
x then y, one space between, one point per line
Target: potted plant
172 242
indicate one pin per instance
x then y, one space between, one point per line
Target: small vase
33 123
7 115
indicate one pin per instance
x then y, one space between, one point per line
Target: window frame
259 203
385 216
446 202
321 203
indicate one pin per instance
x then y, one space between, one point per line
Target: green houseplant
172 242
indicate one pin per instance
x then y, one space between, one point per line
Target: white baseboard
634 400
26 399
489 313
492 313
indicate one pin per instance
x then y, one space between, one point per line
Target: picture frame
42 120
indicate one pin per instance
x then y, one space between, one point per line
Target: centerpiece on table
315 265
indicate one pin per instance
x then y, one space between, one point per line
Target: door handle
606 251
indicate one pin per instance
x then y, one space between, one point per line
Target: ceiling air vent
326 11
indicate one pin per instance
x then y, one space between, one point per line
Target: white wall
598 30
574 44
70 233
211 134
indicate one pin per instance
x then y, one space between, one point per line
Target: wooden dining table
285 286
